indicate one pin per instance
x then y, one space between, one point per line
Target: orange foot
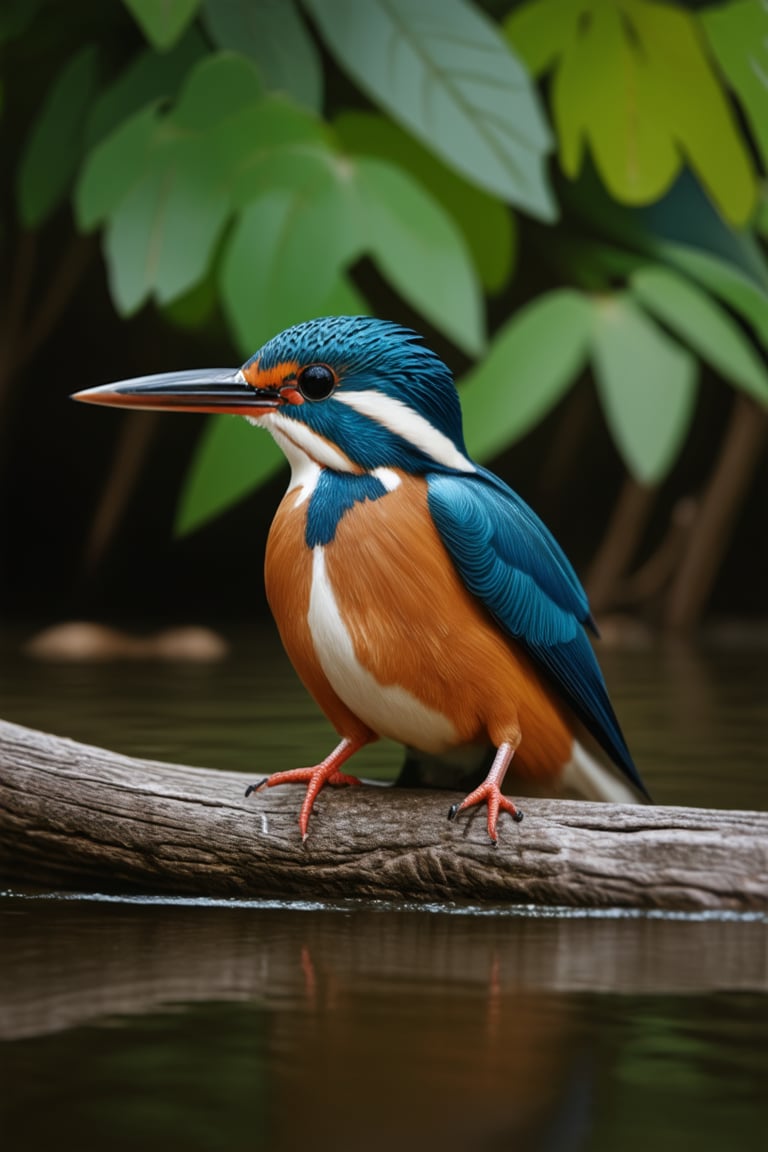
316 777
490 793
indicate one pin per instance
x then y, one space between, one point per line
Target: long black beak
209 390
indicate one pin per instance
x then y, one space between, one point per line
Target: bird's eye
316 382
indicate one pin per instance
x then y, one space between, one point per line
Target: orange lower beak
223 391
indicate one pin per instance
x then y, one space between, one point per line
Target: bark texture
74 815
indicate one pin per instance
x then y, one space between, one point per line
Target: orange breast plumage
386 637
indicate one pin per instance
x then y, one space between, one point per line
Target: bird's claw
315 778
255 787
488 793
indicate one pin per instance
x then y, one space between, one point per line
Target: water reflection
114 957
250 1028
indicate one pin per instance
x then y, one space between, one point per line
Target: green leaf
487 224
636 88
176 176
687 216
216 90
761 220
196 307
421 252
150 77
53 148
690 99
284 258
231 460
724 280
647 385
112 169
596 94
162 21
443 70
272 143
693 316
274 36
540 30
162 235
738 36
531 362
343 299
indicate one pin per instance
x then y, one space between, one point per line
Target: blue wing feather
511 562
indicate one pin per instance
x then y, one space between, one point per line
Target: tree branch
71 814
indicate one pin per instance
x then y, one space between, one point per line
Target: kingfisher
418 597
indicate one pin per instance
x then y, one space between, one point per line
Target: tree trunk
620 543
717 514
73 815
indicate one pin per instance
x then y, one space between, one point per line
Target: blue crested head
370 388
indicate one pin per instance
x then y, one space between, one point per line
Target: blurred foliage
253 153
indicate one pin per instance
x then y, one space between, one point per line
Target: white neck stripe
397 417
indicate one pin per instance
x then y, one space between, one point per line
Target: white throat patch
306 451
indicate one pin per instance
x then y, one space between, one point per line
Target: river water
200 1025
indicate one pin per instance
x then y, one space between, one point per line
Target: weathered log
74 815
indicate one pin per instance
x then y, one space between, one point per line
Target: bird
418 597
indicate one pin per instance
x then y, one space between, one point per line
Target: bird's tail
585 775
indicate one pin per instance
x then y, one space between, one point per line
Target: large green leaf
530 364
273 143
738 36
420 250
634 85
540 31
690 99
176 195
113 167
197 307
231 460
601 100
695 317
162 235
647 385
761 220
273 34
442 68
149 77
52 152
684 218
724 280
487 224
162 21
343 299
217 90
687 216
284 257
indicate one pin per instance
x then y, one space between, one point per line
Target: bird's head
350 392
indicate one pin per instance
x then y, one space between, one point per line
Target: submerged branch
74 815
